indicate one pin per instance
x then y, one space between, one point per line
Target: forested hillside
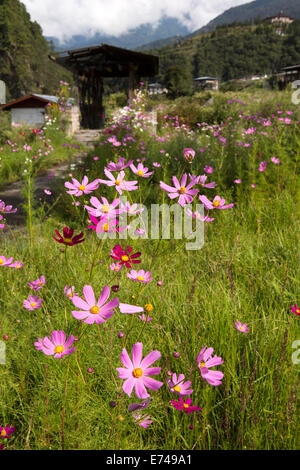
24 63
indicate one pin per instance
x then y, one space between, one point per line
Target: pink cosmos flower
184 193
140 170
177 385
128 308
201 180
196 215
70 291
295 309
208 169
262 166
38 283
16 265
145 318
185 406
32 303
237 181
104 208
56 346
217 203
157 165
140 276
116 267
105 225
136 372
275 160
120 165
48 192
132 210
91 312
205 361
119 182
142 420
189 154
6 432
140 232
6 209
4 261
1 225
84 187
241 327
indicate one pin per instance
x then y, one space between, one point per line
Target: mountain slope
251 11
24 63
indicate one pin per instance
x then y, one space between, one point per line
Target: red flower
125 256
186 406
68 238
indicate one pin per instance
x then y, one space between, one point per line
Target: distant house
156 89
31 110
206 83
281 18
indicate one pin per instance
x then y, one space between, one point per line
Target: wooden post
133 80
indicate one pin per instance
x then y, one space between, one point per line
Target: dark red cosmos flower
67 238
125 256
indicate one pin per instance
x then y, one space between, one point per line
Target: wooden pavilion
90 65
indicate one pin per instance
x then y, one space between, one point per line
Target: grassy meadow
247 270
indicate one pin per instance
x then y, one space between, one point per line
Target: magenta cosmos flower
208 169
67 238
56 346
125 256
38 283
91 312
32 303
177 385
119 182
205 361
241 327
104 208
140 276
183 192
120 165
295 309
84 187
140 170
4 261
185 406
136 372
217 203
6 432
6 209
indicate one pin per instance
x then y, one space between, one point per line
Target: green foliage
24 63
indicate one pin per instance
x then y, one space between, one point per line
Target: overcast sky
64 18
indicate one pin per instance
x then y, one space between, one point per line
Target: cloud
65 18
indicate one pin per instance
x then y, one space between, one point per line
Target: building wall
34 117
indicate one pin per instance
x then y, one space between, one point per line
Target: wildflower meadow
152 302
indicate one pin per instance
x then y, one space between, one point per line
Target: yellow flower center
68 240
71 294
94 310
125 258
105 208
59 349
140 173
140 278
18 266
177 388
149 307
106 227
3 433
41 283
216 203
33 304
298 310
137 373
117 183
116 268
241 327
1 261
202 364
82 188
185 405
182 190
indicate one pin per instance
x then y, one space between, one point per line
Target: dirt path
12 195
